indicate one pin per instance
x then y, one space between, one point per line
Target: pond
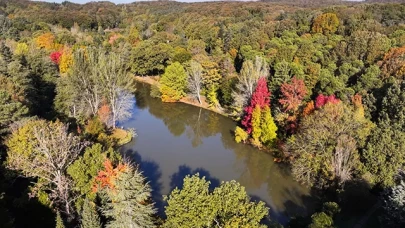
176 139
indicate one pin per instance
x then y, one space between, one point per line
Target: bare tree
46 154
343 161
123 106
195 79
247 80
115 82
250 74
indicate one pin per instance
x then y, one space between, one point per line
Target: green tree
324 219
149 58
80 93
181 55
96 75
173 82
281 75
370 79
89 215
384 154
59 221
128 200
393 106
191 206
5 53
269 128
86 167
227 206
10 111
321 220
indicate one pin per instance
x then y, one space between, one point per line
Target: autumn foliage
358 106
55 57
292 94
309 108
104 113
322 100
113 38
45 41
106 178
326 23
393 63
260 97
66 60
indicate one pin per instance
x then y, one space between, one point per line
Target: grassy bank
122 136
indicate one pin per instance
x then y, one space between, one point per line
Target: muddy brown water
176 139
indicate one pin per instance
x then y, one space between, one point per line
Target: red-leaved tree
55 57
292 94
261 97
322 100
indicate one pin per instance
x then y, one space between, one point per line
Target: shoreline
152 80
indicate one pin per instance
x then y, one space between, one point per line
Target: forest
317 84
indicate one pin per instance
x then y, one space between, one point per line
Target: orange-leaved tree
104 113
45 41
106 178
393 63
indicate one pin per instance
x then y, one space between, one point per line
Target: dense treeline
320 86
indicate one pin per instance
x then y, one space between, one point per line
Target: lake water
176 139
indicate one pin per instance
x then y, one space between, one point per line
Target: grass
122 136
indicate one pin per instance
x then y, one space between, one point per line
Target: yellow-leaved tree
66 60
326 23
21 49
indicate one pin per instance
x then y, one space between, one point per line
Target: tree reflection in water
181 139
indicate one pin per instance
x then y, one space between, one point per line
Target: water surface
176 139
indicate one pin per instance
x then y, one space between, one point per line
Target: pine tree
59 221
89 216
5 53
5 58
256 125
10 110
269 128
394 206
128 200
228 205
